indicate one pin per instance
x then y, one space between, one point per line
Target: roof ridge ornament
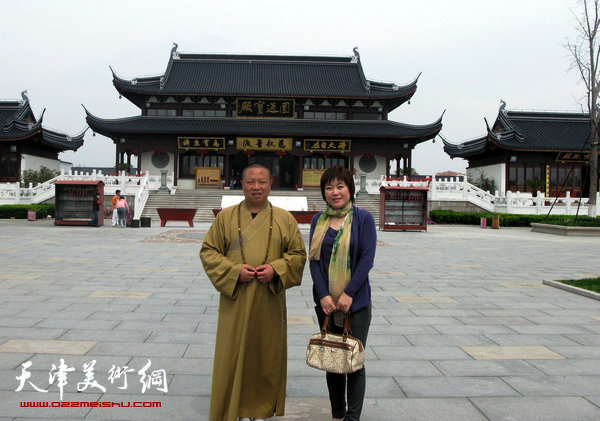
24 96
356 57
174 52
502 105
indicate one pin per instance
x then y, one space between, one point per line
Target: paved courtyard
463 328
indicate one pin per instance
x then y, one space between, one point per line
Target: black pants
355 382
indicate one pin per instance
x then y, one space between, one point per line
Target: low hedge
508 219
20 211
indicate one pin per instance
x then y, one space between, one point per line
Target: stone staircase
205 200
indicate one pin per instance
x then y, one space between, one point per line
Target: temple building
25 144
529 151
295 114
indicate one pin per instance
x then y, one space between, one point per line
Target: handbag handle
327 324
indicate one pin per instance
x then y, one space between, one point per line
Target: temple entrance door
269 160
237 164
288 170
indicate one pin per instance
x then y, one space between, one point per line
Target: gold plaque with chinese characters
324 145
264 108
211 143
264 143
573 157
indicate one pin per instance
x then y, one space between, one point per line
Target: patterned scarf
339 265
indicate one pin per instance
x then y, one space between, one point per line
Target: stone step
205 200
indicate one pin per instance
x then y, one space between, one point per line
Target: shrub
20 211
484 183
38 176
507 219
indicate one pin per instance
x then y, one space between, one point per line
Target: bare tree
586 54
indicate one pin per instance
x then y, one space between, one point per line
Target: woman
122 211
342 250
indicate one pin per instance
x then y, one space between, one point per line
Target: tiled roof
530 131
256 75
15 125
262 127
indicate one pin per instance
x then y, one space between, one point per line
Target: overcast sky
471 54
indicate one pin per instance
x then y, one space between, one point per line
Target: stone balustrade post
568 203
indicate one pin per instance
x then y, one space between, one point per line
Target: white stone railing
130 185
451 189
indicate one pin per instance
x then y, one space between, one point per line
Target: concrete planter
564 230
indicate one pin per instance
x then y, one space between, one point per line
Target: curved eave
301 128
62 141
466 149
18 130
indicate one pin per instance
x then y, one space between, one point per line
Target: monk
252 253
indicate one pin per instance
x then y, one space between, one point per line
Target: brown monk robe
250 366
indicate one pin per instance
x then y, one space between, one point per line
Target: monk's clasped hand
247 273
265 274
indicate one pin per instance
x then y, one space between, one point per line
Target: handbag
335 353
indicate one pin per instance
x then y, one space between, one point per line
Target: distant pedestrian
122 211
96 206
115 199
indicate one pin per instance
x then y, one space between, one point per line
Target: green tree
38 176
484 183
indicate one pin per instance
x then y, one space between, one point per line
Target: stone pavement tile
78 324
584 339
422 320
195 317
128 315
196 366
512 312
139 349
16 321
446 387
545 340
554 385
106 335
577 352
186 408
183 337
437 312
594 399
120 294
10 405
200 351
473 329
537 408
479 368
81 307
36 313
296 368
310 409
307 387
421 409
38 346
584 322
594 327
401 329
414 299
11 360
380 339
493 320
190 385
9 382
446 340
43 362
511 353
143 308
568 367
400 368
419 353
158 326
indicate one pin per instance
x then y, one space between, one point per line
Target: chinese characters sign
265 108
213 143
322 145
265 143
573 157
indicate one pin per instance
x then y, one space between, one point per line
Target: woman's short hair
337 173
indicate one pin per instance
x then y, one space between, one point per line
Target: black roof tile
262 127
